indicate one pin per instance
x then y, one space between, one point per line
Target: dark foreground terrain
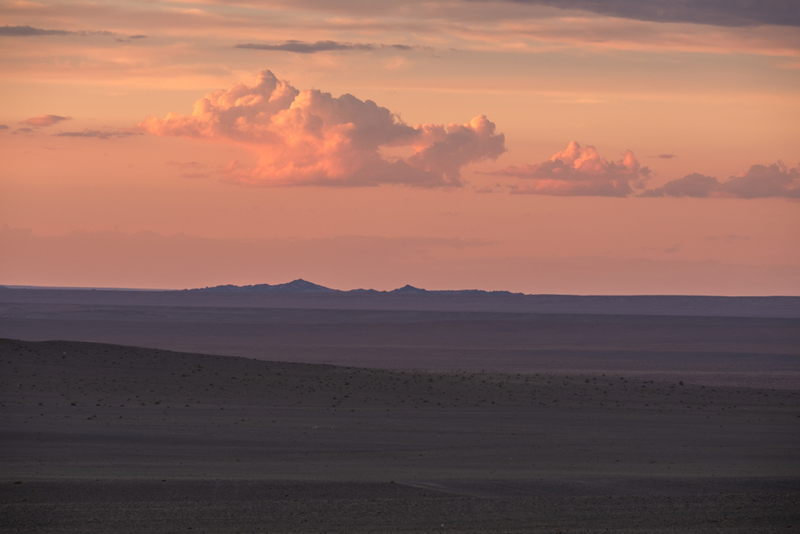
713 341
107 438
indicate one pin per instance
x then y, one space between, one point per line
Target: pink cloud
579 171
759 181
311 138
45 120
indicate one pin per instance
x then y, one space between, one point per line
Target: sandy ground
675 305
99 438
713 351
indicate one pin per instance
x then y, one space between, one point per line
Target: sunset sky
581 147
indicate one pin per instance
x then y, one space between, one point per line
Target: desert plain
135 412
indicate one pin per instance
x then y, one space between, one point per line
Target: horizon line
422 291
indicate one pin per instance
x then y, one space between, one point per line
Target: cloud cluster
713 12
44 120
760 181
300 47
311 138
580 171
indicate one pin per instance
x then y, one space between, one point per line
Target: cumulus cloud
713 12
311 138
301 47
3 127
759 181
44 120
580 171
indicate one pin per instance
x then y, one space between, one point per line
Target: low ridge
304 286
295 286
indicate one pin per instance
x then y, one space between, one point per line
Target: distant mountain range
303 286
301 294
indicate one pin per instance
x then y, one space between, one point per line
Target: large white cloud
311 138
580 171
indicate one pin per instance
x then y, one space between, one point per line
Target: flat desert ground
161 417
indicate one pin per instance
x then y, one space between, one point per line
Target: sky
538 146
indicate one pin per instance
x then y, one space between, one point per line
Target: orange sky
642 147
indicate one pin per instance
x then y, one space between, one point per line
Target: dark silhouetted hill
303 286
295 286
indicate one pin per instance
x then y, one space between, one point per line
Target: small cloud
713 12
28 31
27 131
300 47
97 134
672 249
3 127
579 171
45 120
665 156
694 185
759 181
129 39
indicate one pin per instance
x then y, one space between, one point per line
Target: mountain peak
408 288
301 286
